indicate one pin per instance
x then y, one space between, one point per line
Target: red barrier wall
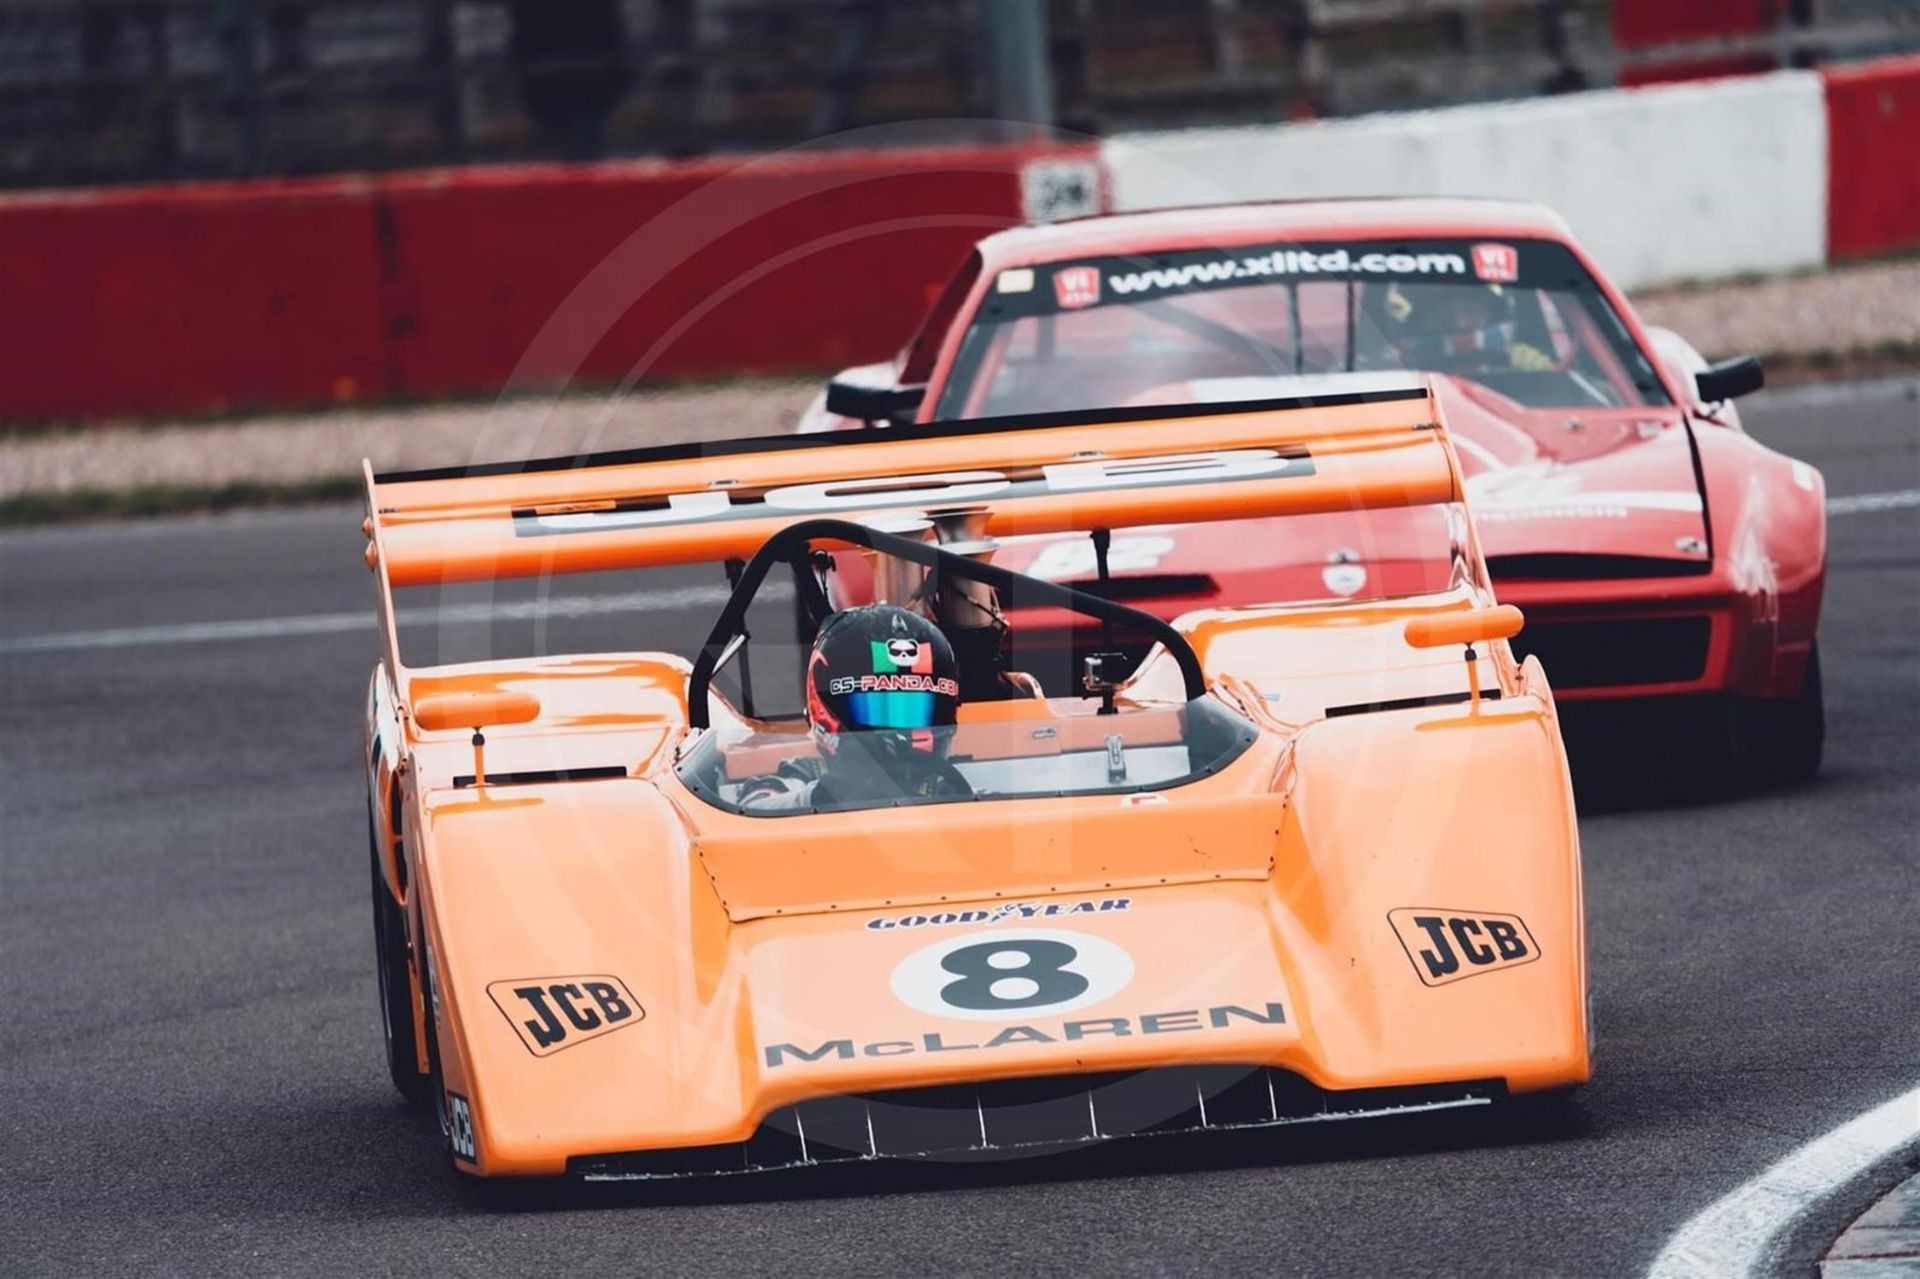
189 298
1643 24
1873 156
683 270
240 295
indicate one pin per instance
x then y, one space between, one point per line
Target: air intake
1551 566
1614 654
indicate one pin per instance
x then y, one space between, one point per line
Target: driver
1457 328
881 680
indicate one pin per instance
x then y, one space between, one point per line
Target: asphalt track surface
190 1058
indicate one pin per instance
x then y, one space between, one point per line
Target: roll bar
793 544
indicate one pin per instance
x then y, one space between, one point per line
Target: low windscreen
1523 318
1045 748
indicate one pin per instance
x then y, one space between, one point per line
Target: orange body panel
1383 889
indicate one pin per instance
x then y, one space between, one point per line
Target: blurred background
96 91
245 243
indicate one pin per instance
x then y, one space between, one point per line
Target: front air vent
1411 703
1573 567
543 776
1616 654
1150 586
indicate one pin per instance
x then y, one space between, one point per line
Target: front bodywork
1375 906
1260 935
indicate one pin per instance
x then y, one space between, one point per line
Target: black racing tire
1781 741
396 990
436 1081
436 1084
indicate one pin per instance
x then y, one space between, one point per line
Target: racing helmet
884 676
1434 321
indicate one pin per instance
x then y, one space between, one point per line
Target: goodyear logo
994 914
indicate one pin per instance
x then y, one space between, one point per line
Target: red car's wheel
1783 740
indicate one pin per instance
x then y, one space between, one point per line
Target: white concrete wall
1687 181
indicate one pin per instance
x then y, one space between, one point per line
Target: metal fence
118 90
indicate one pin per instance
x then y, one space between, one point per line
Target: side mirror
872 401
1729 379
1469 626
475 710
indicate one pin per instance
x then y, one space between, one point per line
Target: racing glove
1529 359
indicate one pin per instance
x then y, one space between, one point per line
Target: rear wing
1047 473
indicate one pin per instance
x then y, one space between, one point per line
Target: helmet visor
890 710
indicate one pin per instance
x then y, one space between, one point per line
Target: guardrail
207 297
1665 183
211 297
119 90
1873 184
1703 180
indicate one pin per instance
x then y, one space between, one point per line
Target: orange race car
871 891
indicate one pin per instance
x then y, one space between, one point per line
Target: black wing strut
793 544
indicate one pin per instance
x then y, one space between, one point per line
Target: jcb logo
1448 945
460 1126
551 1013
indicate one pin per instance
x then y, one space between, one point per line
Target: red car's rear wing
1060 472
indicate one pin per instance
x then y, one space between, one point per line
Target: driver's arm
789 788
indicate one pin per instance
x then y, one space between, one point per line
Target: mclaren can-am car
1305 861
1671 567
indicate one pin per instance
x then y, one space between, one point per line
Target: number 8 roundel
1006 975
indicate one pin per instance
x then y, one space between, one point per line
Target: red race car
1666 561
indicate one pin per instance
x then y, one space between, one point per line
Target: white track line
1820 395
337 623
1742 1233
1860 503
